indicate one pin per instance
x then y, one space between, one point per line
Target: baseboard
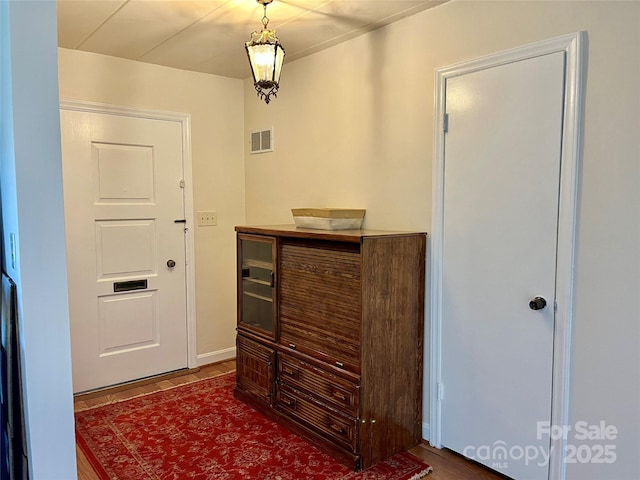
426 431
217 356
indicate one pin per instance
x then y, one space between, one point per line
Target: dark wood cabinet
255 369
341 362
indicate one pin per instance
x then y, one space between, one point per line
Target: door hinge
445 123
440 391
555 307
181 184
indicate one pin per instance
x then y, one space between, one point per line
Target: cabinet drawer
255 369
322 344
337 428
327 387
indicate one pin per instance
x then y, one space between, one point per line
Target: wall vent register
261 141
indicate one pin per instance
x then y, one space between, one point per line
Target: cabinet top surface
340 235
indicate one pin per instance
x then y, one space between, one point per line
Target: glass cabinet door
256 284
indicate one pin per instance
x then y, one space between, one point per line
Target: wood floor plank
85 471
448 465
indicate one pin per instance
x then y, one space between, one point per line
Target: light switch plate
13 250
207 219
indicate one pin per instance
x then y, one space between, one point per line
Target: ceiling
208 35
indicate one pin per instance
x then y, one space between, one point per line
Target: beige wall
215 104
355 129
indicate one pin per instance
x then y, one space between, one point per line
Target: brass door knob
171 263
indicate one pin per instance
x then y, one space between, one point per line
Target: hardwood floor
446 465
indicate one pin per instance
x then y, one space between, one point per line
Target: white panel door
126 254
501 170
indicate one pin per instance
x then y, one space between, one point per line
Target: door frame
184 119
574 46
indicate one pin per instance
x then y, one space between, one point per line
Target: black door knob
171 263
537 303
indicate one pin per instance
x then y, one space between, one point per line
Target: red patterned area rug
199 431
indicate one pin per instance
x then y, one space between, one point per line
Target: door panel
122 194
502 168
139 258
127 321
124 172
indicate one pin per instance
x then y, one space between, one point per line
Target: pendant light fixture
266 56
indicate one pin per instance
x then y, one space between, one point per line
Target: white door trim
185 121
574 47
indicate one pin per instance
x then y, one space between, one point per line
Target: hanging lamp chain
265 19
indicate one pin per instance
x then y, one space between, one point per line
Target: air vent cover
261 141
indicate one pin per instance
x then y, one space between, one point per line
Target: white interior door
501 190
126 255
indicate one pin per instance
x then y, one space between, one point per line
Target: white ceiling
208 35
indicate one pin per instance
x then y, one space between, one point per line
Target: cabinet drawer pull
339 364
287 401
292 346
339 395
338 429
289 371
